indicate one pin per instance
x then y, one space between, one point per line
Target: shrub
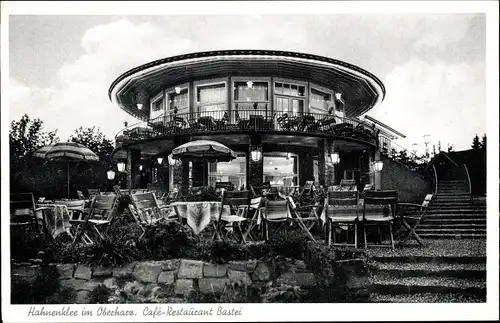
168 240
43 286
99 295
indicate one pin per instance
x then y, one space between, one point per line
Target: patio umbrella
66 152
204 150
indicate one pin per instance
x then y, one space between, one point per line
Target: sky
432 65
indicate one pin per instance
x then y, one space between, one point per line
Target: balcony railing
248 121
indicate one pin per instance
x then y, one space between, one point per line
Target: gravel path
436 248
429 281
427 298
430 266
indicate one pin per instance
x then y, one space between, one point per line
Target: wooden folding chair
341 211
415 213
379 208
254 216
282 211
23 215
101 214
237 203
147 211
76 214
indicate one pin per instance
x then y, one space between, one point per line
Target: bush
38 292
168 240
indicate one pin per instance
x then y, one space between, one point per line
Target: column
255 169
326 169
133 160
199 173
306 167
378 175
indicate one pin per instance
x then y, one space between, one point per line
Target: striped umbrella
204 150
67 152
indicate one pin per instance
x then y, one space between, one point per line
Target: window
289 98
157 108
233 172
179 101
281 171
289 89
211 97
246 95
319 101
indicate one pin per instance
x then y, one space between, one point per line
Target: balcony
249 121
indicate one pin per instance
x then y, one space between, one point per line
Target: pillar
377 175
306 167
199 173
326 169
133 160
255 169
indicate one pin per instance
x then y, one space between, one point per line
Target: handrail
468 178
435 179
251 120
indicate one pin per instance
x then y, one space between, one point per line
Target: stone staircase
430 274
453 214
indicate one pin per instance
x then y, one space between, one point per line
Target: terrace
250 121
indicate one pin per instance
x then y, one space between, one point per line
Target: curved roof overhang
360 89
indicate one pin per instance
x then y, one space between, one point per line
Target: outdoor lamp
338 96
177 90
335 157
121 166
256 155
171 160
159 160
249 84
111 174
139 106
141 167
378 165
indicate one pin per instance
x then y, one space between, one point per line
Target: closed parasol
67 152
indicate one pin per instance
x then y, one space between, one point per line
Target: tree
93 139
483 142
476 144
27 135
450 148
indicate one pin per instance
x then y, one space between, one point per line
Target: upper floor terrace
251 121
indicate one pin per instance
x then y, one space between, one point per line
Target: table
56 218
199 214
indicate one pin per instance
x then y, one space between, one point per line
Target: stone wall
411 186
183 276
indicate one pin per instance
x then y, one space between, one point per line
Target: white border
284 312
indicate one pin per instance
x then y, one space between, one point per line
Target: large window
319 101
247 93
178 100
157 107
233 172
211 97
289 97
280 170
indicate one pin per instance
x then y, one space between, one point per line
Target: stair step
459 259
385 284
404 269
452 236
454 225
432 220
456 216
427 298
